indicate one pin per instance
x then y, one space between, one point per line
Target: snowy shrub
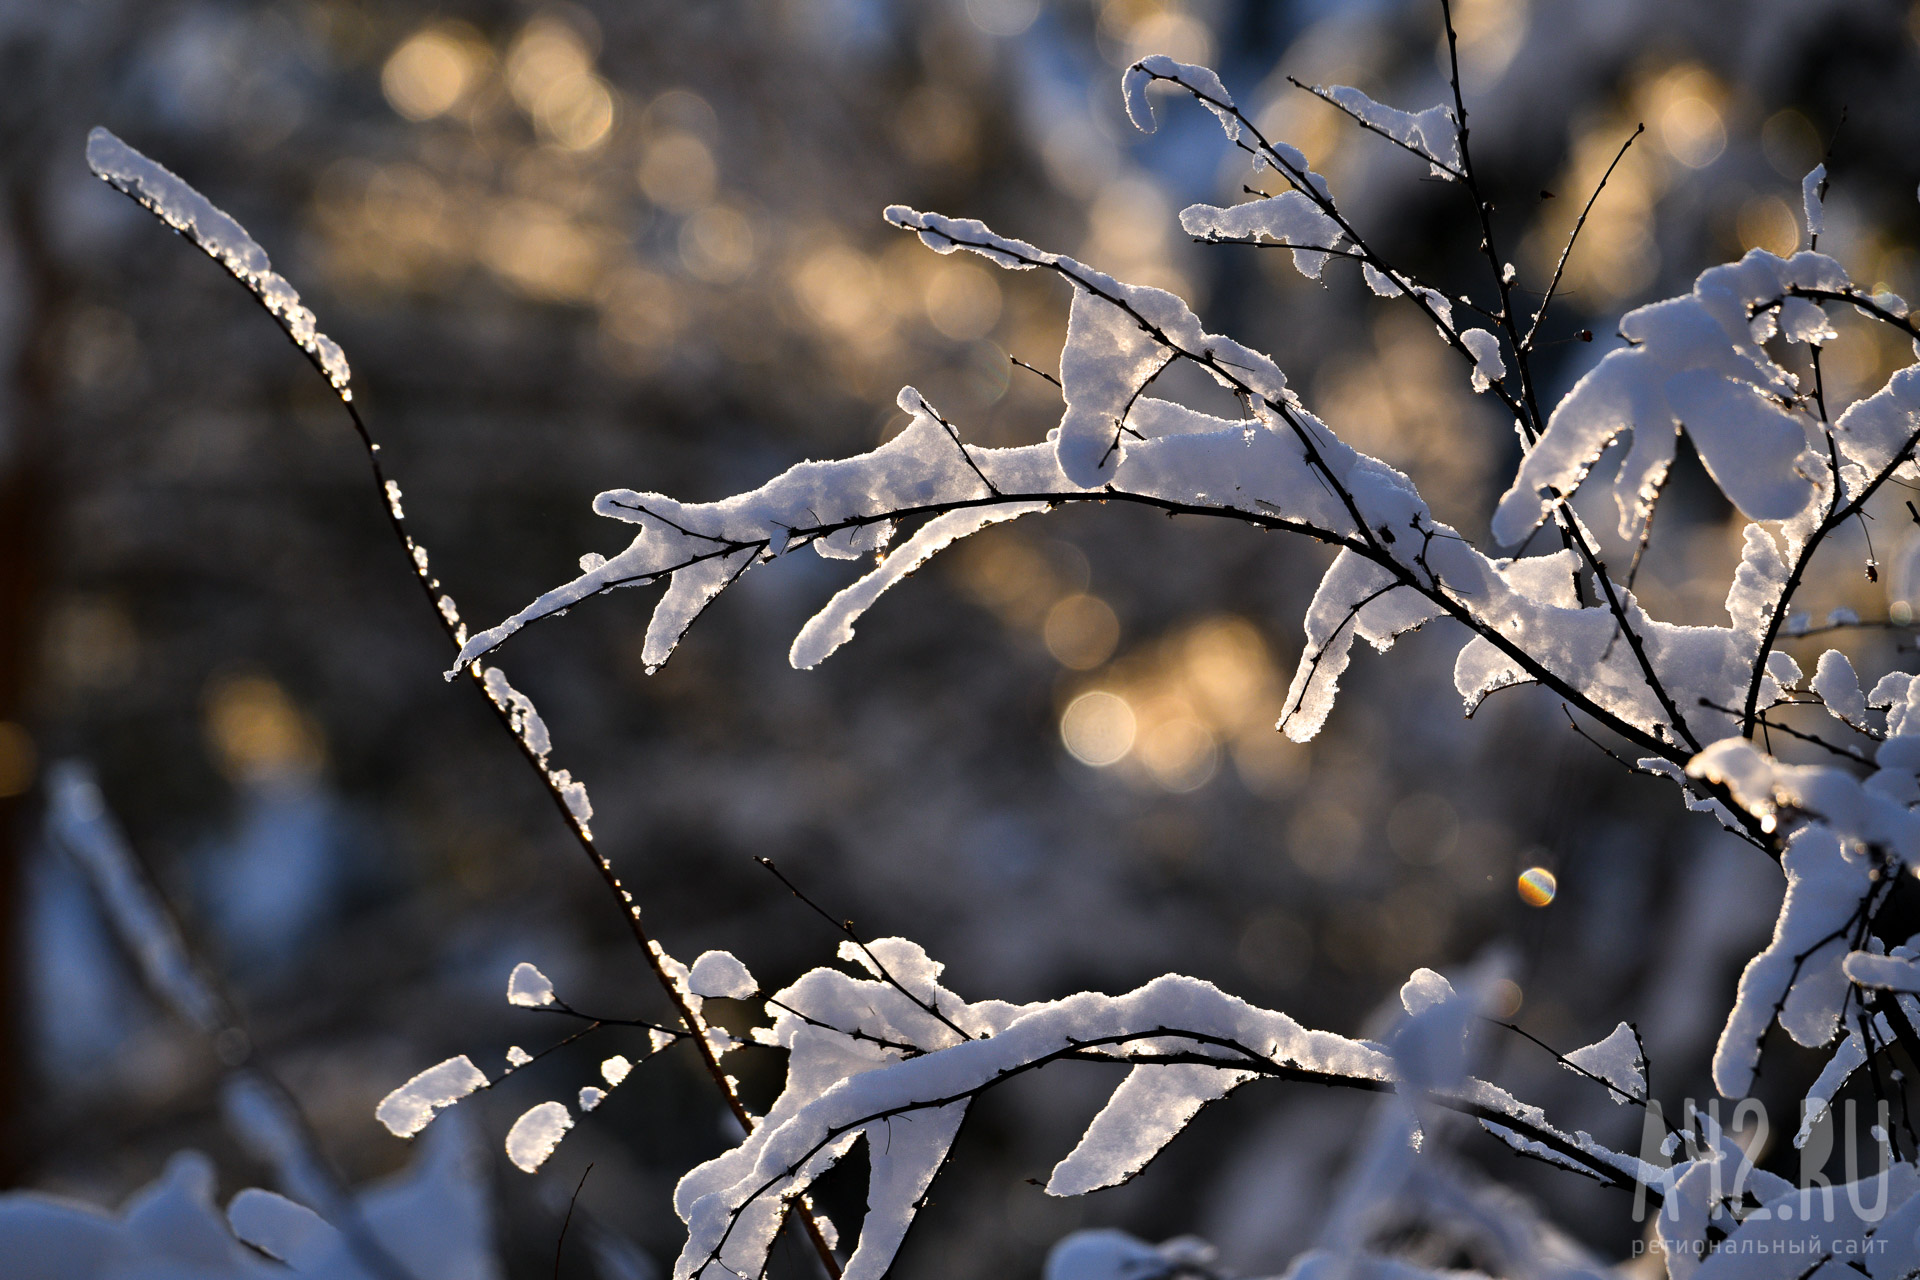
880 1052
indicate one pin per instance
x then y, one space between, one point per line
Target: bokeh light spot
1081 631
678 173
550 74
1098 728
1767 222
1003 17
1693 132
963 301
716 244
1180 752
1537 886
840 288
256 730
1791 143
429 73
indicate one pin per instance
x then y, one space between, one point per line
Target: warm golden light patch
1081 631
256 730
1767 222
550 74
840 288
19 761
1178 750
431 71
678 172
1505 999
963 301
716 244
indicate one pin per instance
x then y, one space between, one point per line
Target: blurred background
570 247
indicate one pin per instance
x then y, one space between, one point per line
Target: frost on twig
1289 218
1200 81
408 1109
1488 367
224 240
1813 196
1356 599
1618 1060
528 987
534 1136
536 1133
1697 364
1431 134
524 718
720 974
1279 466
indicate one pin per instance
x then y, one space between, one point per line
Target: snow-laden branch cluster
892 1057
867 1061
1544 608
1695 363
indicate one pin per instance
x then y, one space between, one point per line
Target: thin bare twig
1569 1064
1299 180
1251 242
1603 748
564 1009
1560 267
1571 533
1813 237
855 1033
1523 408
953 434
567 1221
1814 739
1034 369
1837 516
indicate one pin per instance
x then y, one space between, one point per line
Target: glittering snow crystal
222 239
528 987
408 1109
1617 1060
536 1133
718 973
1431 133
